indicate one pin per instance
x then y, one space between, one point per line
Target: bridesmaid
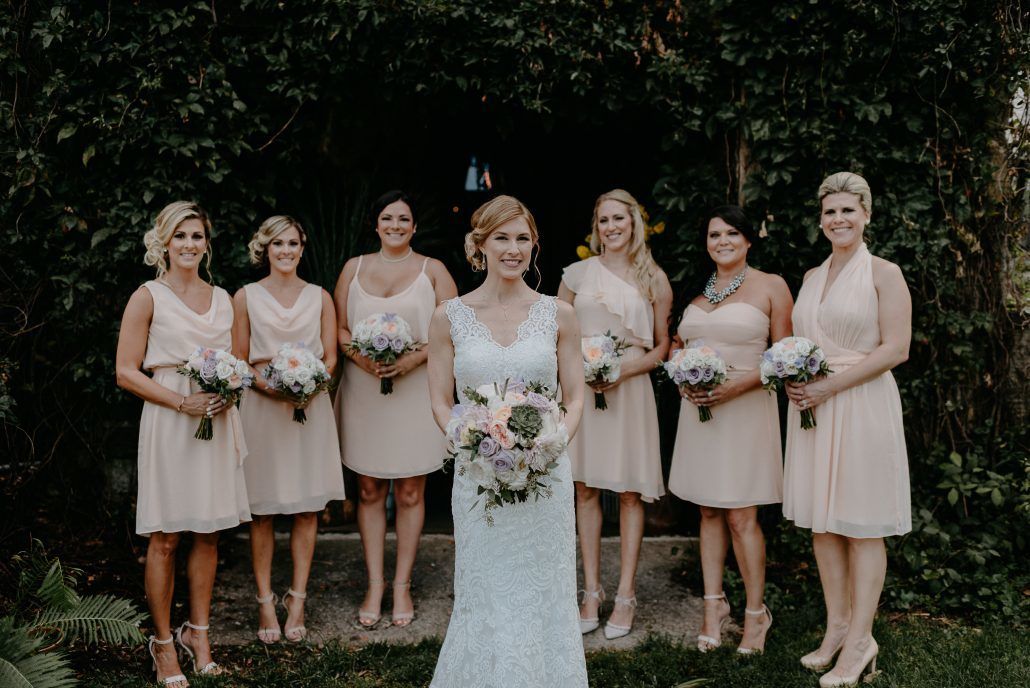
184 484
847 478
292 468
395 279
732 463
621 290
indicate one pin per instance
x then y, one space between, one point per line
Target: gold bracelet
178 409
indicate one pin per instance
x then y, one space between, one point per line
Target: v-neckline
186 305
300 294
489 332
828 286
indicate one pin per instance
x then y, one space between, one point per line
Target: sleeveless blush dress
849 474
186 484
389 435
292 468
616 448
735 459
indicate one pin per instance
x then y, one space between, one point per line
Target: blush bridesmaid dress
392 435
186 484
849 474
292 468
734 460
617 448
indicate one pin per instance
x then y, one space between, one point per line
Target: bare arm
570 366
441 367
895 318
132 349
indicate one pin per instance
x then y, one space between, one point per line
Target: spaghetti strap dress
616 448
734 460
849 474
292 468
186 484
389 436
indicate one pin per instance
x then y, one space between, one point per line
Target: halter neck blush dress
849 474
186 484
616 448
292 468
394 435
734 460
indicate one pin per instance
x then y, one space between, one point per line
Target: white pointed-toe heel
613 631
592 624
814 661
866 672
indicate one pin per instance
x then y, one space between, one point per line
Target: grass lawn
914 652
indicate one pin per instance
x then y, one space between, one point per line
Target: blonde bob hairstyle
489 217
269 230
645 270
168 220
848 182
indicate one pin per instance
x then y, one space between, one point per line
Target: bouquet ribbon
238 443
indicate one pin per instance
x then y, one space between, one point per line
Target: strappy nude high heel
167 680
209 669
757 612
271 635
294 634
613 631
707 642
402 619
370 619
592 624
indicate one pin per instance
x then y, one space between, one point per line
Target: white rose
224 370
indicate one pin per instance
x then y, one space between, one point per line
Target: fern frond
22 667
95 617
56 590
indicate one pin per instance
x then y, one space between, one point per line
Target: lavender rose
679 377
503 460
488 446
708 374
397 345
538 401
781 369
380 342
694 375
812 365
208 369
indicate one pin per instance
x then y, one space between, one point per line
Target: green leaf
996 497
67 131
953 496
956 459
88 154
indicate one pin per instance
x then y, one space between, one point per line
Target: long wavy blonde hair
645 270
168 220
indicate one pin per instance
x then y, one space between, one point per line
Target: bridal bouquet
699 367
793 359
601 362
298 375
507 439
218 372
383 337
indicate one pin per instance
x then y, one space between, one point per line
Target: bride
514 621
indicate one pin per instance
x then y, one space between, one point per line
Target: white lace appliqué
514 622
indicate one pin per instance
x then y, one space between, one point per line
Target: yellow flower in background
584 252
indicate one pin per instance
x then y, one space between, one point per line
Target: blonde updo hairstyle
489 217
269 230
848 182
168 220
645 270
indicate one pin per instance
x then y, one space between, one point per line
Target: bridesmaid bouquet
601 362
507 439
699 367
383 337
793 359
298 375
218 372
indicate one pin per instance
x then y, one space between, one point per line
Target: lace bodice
479 359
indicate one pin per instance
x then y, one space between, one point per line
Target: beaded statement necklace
717 296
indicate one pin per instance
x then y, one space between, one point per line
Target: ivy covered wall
110 110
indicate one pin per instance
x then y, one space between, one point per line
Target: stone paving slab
338 582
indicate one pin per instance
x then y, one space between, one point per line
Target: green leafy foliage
110 110
45 613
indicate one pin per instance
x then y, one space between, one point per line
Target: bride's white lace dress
515 620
